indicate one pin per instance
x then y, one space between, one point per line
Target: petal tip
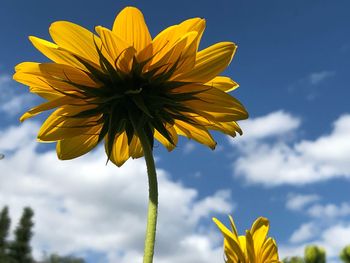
25 116
213 146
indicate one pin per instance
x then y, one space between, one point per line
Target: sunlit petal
130 26
210 62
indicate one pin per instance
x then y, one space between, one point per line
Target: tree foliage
20 249
345 254
5 222
314 254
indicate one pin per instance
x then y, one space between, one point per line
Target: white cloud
4 79
329 210
312 84
15 137
335 238
197 174
12 97
278 162
332 238
290 250
303 233
299 201
189 147
85 205
271 125
328 227
317 77
325 220
211 203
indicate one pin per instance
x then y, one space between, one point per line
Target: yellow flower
110 85
254 247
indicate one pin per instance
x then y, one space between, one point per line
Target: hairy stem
152 199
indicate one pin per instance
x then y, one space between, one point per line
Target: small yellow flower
109 86
254 247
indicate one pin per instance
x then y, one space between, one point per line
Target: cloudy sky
292 164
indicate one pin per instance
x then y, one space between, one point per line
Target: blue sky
291 165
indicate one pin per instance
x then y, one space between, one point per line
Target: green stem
152 199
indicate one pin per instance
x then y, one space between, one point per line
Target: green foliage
293 260
5 222
20 249
315 254
54 258
345 254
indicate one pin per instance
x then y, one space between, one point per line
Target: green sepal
129 131
88 91
179 116
89 113
137 67
138 101
94 73
140 122
62 92
105 128
116 126
159 126
108 67
168 73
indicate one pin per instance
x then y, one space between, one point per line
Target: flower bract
108 85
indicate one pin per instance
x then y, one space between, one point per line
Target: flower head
110 85
254 247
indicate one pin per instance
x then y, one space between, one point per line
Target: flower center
129 102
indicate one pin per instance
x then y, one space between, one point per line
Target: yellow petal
188 55
166 39
120 150
231 241
214 103
130 26
236 113
230 128
77 146
56 74
199 134
250 247
164 141
225 84
76 39
210 62
120 52
44 93
269 251
42 84
231 256
60 125
193 24
135 148
46 106
233 226
222 117
259 231
243 245
53 52
210 95
49 80
175 55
